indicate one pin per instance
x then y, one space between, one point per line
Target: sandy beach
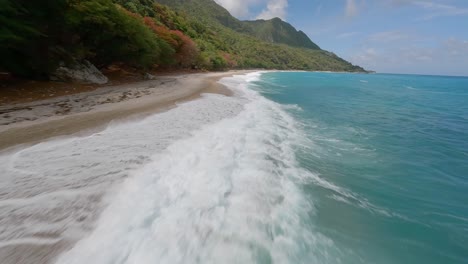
29 196
34 121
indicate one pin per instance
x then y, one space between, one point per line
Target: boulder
148 76
82 72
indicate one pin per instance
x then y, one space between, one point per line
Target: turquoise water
392 151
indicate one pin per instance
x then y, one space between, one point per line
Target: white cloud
417 54
351 9
368 57
405 2
238 8
439 10
433 8
389 36
447 57
457 48
318 10
244 8
275 8
347 35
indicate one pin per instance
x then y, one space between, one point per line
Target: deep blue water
393 153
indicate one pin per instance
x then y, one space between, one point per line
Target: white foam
58 185
229 193
30 241
293 107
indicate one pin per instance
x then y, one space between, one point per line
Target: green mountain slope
274 30
277 31
207 11
272 44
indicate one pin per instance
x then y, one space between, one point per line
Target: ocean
391 156
295 167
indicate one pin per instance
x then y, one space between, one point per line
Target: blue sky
396 36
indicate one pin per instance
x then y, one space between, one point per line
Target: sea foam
53 192
228 193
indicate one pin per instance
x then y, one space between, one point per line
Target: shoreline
82 113
75 203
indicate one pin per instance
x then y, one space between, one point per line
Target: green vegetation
25 35
36 36
271 44
277 31
108 33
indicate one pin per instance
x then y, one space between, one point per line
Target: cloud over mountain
275 8
262 9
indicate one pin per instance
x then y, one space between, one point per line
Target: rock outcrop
148 76
82 72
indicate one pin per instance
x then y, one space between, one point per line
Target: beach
44 210
38 120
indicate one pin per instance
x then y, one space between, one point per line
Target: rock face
83 72
148 76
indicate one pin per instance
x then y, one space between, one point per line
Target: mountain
261 43
277 31
274 30
207 11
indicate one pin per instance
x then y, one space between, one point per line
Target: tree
26 37
186 50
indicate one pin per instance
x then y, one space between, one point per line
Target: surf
229 193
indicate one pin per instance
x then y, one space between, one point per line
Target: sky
391 36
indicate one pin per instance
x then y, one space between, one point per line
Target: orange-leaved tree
185 48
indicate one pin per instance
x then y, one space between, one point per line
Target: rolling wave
227 194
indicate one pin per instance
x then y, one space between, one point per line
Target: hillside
277 31
207 11
273 30
36 39
253 39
